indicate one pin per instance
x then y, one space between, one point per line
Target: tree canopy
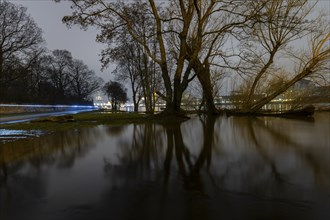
20 41
29 73
116 93
193 38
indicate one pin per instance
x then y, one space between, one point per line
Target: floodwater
204 168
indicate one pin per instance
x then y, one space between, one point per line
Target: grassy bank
87 119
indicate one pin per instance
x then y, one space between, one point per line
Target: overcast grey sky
48 15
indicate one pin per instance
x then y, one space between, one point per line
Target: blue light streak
48 106
11 119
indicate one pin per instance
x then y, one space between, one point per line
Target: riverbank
100 117
87 119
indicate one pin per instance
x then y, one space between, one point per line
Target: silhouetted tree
196 35
84 82
20 43
114 18
190 34
116 93
128 69
280 23
58 71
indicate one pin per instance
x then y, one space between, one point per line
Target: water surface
204 168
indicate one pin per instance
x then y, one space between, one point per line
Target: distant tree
116 93
133 63
71 79
134 66
84 82
20 41
37 78
127 69
58 71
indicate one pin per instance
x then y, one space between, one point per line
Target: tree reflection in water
207 157
204 168
24 164
157 156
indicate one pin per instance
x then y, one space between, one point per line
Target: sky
48 16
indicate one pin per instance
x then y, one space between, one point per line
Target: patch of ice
7 135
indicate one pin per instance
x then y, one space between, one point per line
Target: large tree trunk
147 85
204 77
136 105
177 96
168 88
134 91
248 101
163 57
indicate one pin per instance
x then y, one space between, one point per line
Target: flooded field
204 168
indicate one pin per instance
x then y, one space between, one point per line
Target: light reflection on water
204 168
12 135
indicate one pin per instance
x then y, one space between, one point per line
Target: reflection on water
204 168
11 135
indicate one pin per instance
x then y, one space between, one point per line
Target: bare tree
209 24
84 82
134 65
126 71
280 23
195 35
58 70
20 41
315 62
113 18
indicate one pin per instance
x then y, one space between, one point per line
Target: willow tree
212 25
316 61
275 32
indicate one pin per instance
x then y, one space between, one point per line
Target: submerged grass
87 119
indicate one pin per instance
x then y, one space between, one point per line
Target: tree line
29 73
164 47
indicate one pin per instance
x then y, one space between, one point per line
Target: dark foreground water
224 168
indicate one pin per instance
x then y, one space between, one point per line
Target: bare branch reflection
202 168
